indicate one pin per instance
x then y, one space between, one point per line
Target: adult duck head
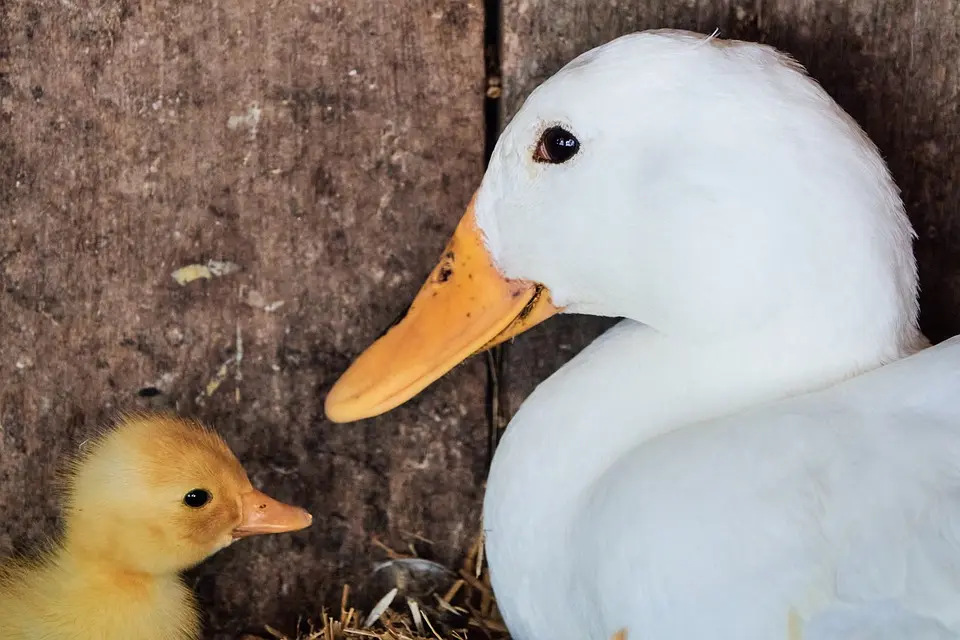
707 189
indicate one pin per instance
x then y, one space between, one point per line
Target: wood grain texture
328 148
892 64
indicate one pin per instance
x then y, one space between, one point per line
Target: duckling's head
158 494
708 189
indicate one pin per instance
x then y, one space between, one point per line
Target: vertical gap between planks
491 63
492 120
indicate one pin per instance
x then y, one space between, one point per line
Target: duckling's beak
262 514
466 306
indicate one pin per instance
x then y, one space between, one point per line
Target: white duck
731 461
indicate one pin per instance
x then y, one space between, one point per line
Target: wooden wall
327 148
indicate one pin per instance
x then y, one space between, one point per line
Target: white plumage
752 237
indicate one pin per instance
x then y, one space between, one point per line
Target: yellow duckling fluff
144 501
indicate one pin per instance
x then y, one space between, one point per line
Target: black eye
557 145
196 498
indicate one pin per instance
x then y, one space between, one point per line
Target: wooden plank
326 147
890 64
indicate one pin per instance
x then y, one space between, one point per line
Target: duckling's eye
196 498
556 146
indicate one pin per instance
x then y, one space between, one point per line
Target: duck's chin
226 542
222 543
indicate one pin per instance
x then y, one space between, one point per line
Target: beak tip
339 403
337 409
349 402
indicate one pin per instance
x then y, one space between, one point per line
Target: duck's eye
196 498
557 145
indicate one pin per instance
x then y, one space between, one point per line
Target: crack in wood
496 395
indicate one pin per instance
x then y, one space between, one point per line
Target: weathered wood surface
328 148
892 64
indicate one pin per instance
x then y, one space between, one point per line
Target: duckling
144 501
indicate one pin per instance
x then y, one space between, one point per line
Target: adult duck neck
633 384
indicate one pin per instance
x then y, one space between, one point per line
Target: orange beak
262 514
465 307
